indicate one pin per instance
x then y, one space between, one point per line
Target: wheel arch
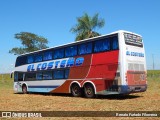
24 84
90 82
74 82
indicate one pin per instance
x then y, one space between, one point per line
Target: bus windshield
132 39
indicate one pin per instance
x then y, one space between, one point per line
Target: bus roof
76 42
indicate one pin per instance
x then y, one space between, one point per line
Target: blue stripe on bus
43 86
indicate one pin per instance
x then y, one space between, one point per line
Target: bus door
18 78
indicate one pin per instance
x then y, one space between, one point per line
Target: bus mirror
11 75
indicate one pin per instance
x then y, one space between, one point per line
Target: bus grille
135 67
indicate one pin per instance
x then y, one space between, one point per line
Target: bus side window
39 76
47 75
66 73
30 76
30 59
71 51
59 53
38 57
85 48
102 45
58 74
47 55
115 43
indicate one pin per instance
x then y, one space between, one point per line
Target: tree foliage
86 26
30 42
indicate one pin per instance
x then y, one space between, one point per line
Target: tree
86 26
30 42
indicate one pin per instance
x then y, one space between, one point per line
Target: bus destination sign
132 39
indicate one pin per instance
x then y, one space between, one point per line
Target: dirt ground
146 101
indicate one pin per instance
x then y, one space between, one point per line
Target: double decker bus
108 64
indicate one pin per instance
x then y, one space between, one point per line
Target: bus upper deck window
102 45
38 58
85 48
115 43
59 53
71 51
47 55
30 59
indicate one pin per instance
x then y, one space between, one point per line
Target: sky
53 20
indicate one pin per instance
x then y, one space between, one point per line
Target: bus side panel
77 73
64 88
80 72
104 67
100 68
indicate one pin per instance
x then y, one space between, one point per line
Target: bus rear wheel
89 91
76 90
24 89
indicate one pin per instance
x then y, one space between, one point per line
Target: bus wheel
76 90
89 91
24 89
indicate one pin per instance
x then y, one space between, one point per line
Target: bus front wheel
76 90
24 89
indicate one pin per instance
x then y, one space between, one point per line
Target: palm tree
85 28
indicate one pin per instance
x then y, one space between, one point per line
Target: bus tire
89 91
76 90
24 89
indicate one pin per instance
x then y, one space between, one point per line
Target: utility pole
153 60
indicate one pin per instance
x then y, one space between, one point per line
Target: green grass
153 73
6 81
